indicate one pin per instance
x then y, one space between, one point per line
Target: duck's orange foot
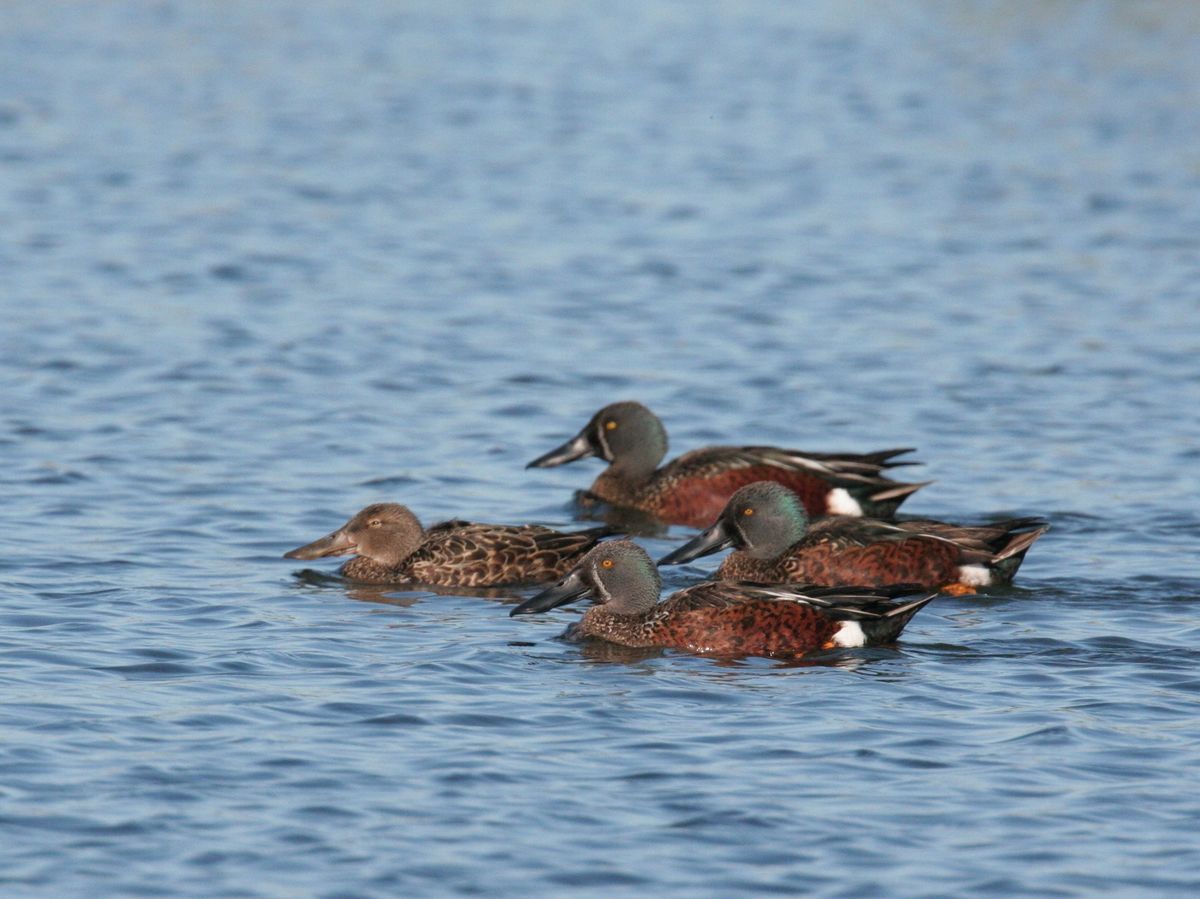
958 588
829 644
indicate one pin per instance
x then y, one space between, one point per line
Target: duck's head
626 434
387 533
617 573
762 520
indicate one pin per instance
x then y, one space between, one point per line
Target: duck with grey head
717 617
692 489
774 541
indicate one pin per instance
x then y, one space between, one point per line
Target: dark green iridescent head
762 520
626 434
766 518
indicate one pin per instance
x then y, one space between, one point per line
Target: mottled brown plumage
692 489
391 547
720 618
774 542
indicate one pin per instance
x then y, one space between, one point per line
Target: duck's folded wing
860 467
469 553
721 594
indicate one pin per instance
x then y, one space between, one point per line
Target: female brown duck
390 546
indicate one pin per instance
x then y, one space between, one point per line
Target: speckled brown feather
743 627
720 617
466 554
737 620
368 571
916 561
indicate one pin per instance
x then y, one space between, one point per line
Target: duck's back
469 554
717 618
693 489
789 620
930 553
866 552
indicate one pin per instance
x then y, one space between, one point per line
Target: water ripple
265 272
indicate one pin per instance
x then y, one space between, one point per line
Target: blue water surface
266 263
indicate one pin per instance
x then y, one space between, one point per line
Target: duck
720 617
390 546
775 541
692 489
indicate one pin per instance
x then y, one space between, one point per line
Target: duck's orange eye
606 563
747 511
610 426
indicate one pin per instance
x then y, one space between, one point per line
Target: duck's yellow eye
606 563
374 522
610 426
747 511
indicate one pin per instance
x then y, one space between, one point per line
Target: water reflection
366 224
589 507
401 594
603 652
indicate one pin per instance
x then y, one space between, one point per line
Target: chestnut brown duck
390 546
692 489
717 617
775 542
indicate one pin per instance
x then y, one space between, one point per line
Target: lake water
266 263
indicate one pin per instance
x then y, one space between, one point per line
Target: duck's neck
614 487
634 461
360 568
623 481
741 566
602 623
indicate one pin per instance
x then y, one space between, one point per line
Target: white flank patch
850 634
840 502
974 575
